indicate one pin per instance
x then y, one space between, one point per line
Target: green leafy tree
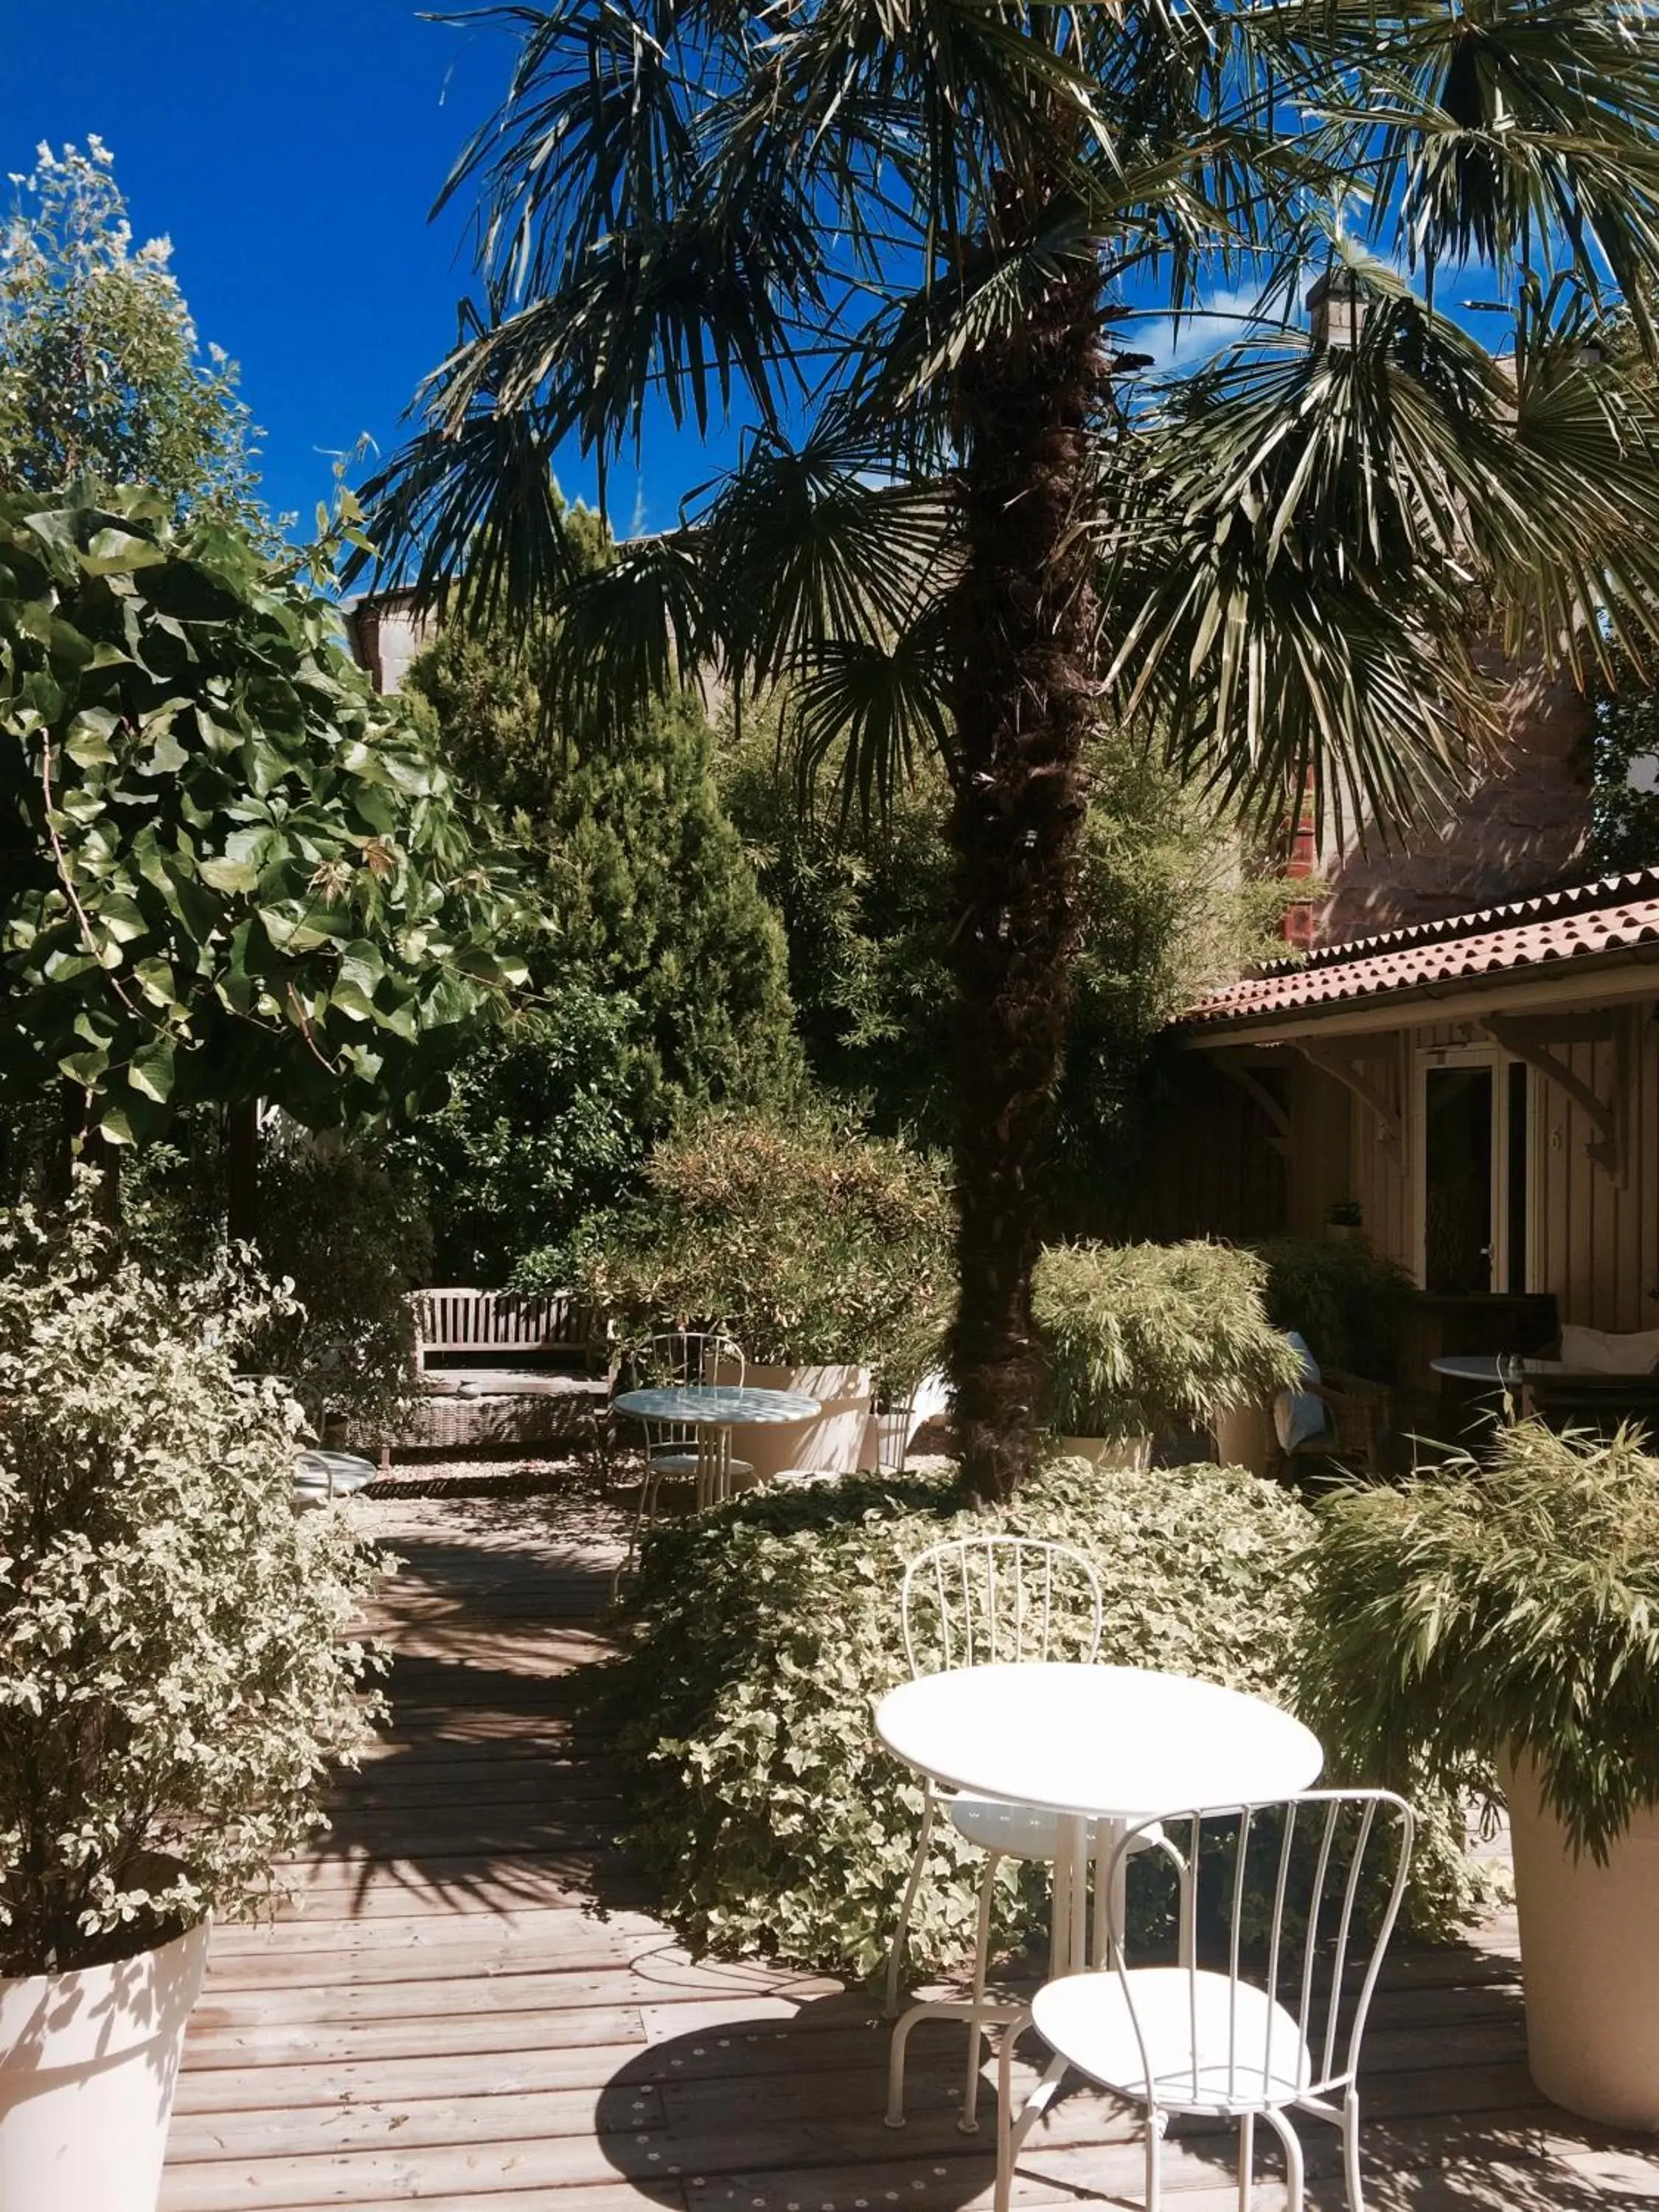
231 871
898 248
1167 905
643 874
99 368
539 1142
662 987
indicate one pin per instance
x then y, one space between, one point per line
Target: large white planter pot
1244 1437
888 1436
1106 1452
88 2065
1589 1960
831 1445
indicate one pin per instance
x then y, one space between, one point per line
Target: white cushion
1246 2052
337 1474
1020 1832
1601 1353
1298 1415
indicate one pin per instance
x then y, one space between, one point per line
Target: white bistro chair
676 1449
987 1602
1236 2039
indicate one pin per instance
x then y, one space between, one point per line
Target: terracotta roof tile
1607 916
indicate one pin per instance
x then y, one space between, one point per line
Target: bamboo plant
1509 1608
1141 1337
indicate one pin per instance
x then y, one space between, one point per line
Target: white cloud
1179 347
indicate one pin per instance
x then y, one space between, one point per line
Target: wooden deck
472 2013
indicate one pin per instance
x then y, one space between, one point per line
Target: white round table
1113 1746
712 1409
1507 1369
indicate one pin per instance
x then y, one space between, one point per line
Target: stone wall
1522 829
385 637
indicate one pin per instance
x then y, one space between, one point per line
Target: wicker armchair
1356 1419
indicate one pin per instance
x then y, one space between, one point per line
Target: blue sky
291 149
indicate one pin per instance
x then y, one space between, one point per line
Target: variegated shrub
176 1676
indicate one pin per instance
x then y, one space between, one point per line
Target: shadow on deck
472 2013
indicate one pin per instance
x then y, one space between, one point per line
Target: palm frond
867 706
470 518
814 545
630 631
1511 134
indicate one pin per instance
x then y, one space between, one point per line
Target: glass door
1459 1124
1472 1176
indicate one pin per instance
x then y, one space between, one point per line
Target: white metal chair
900 1415
1239 2041
983 1601
675 1448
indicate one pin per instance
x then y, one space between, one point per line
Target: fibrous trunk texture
1024 702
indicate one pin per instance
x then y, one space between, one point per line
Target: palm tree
900 243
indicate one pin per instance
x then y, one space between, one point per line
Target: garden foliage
1510 1606
99 374
808 1243
537 1144
635 858
1164 910
174 1681
767 1816
350 1240
661 990
1349 1302
1139 1337
233 872
767 1630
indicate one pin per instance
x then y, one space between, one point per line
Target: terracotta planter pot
831 1445
88 2065
1589 1960
1105 1452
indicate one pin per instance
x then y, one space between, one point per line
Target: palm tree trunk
1024 702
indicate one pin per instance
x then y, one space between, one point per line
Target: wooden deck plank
449 2019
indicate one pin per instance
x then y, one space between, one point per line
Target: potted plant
825 1255
1503 1616
1345 1221
172 1686
1139 1337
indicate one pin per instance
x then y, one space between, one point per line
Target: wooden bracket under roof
1533 1039
1350 1069
1235 1067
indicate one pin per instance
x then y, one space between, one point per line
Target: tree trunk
83 1142
241 1139
1023 621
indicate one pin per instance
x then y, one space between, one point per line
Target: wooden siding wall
1382 1170
1207 1169
1596 1247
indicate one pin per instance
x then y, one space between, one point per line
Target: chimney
1338 302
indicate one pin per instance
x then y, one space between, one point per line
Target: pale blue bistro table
713 1409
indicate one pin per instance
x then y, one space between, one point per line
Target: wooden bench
464 1328
501 1370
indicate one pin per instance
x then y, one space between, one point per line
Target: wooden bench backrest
453 1319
